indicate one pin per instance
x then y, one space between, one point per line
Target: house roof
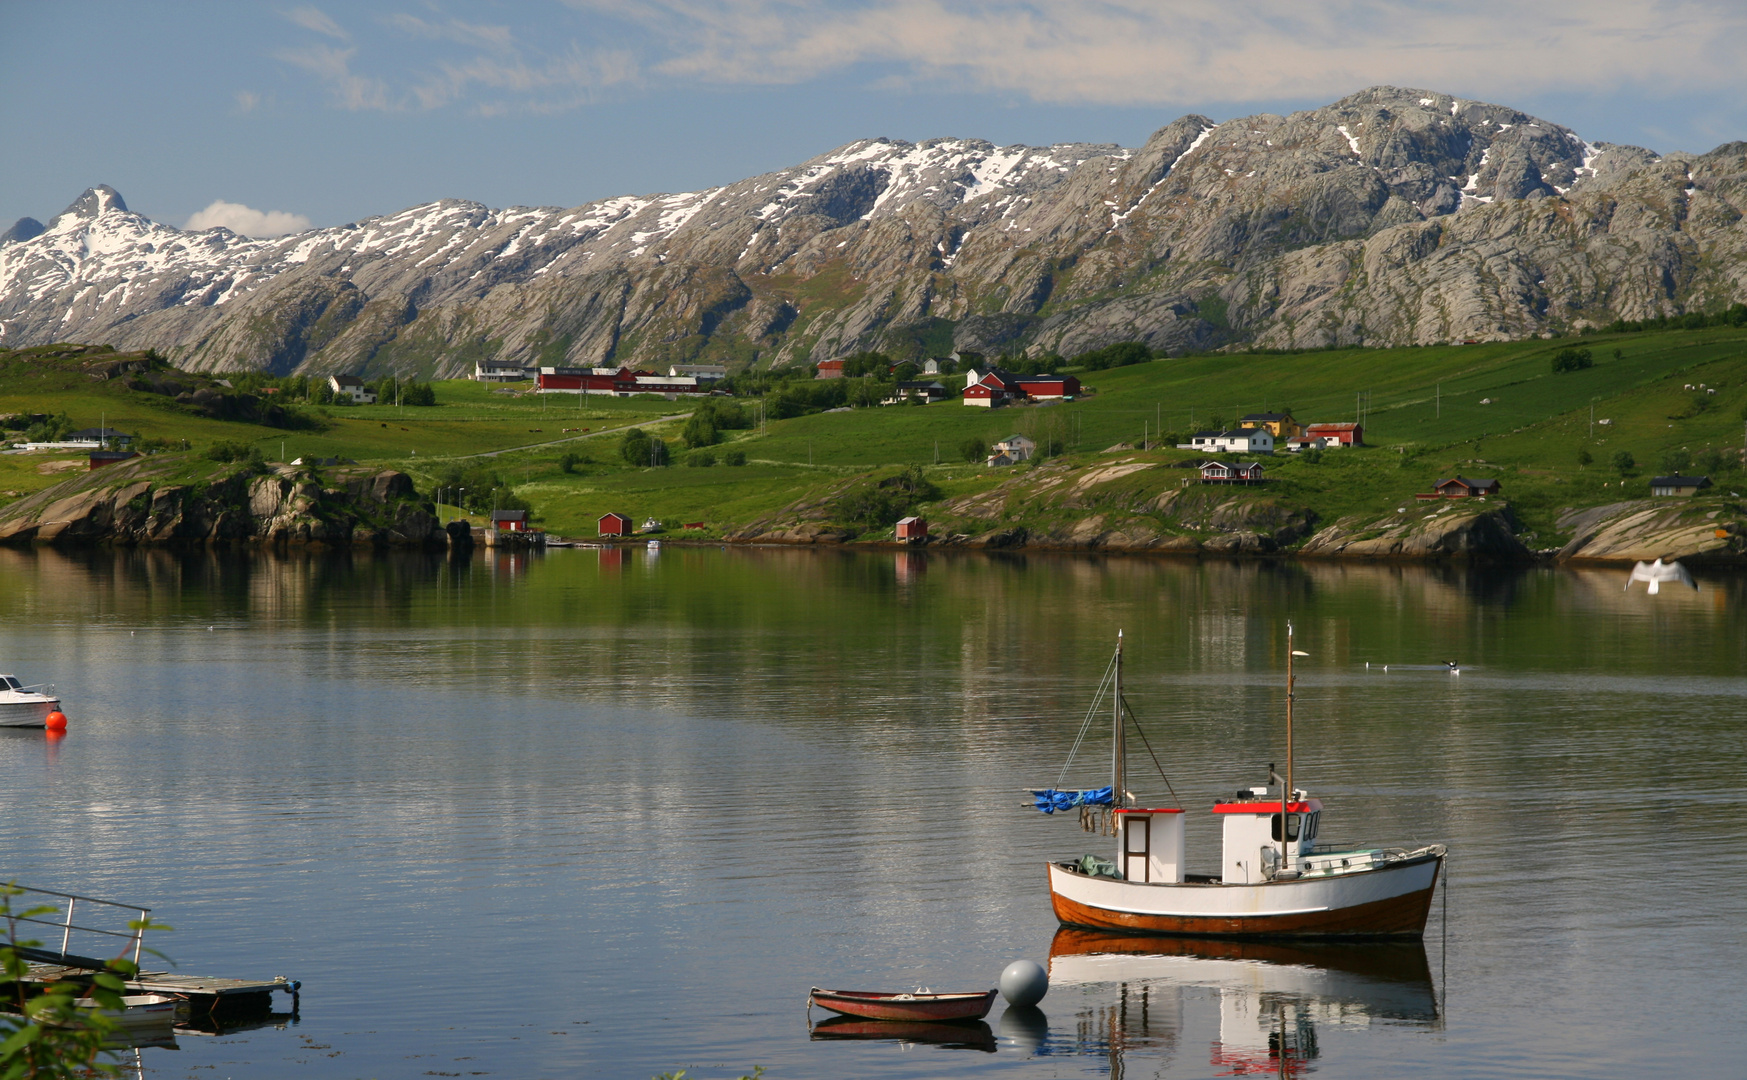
911 520
1680 481
99 433
509 515
1268 417
1330 427
1476 485
621 517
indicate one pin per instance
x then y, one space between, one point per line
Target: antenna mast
1118 744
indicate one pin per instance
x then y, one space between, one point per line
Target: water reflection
1147 994
971 1035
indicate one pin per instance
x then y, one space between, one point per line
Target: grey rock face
1392 216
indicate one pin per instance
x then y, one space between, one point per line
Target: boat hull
869 1005
1389 902
28 714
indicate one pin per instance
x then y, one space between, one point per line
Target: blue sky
269 116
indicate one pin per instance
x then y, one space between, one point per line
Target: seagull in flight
1658 572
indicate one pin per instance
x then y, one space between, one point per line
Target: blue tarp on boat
1050 800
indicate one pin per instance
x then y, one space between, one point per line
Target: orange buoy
55 721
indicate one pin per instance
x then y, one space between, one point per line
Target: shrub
1584 457
700 429
233 451
734 457
1676 463
973 449
418 393
570 461
1112 356
700 459
1572 360
1624 462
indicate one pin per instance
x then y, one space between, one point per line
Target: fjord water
609 814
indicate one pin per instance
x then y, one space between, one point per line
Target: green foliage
877 364
1584 457
1676 462
1114 356
477 490
973 449
1572 360
700 430
53 429
57 1031
226 450
700 459
734 457
882 503
793 399
570 461
418 393
1624 462
1733 315
639 449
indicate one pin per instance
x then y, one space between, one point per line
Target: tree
700 429
973 449
1624 462
734 457
634 447
1111 356
1676 462
1572 360
418 393
1583 457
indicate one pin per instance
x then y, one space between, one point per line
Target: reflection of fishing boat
960 1035
1272 997
143 1011
920 1005
1376 979
1274 882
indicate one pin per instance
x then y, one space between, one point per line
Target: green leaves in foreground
57 1030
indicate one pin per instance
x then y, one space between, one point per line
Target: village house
1299 443
1678 485
614 382
1279 425
912 529
1344 434
100 458
99 437
829 369
997 387
1223 472
510 520
1011 451
1461 487
501 371
352 387
700 372
615 525
1254 440
917 389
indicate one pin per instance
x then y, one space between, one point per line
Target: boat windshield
11 683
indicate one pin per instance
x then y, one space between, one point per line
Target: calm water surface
606 814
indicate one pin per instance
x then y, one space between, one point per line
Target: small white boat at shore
24 706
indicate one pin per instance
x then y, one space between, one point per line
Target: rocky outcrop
1393 216
1712 529
1450 531
145 501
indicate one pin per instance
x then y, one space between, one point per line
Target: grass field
1483 410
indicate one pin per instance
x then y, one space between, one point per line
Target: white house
501 371
353 387
1012 450
700 372
1256 440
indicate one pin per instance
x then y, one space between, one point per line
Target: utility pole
1439 407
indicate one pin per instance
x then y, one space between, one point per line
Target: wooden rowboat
873 1005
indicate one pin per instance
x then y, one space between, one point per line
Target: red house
830 369
615 525
1461 487
509 520
1049 387
912 529
1345 434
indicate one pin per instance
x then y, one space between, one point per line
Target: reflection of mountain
1269 996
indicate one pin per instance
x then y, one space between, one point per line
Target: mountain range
1391 217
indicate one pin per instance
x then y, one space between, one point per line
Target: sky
272 117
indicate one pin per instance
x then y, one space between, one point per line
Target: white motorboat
26 706
1274 881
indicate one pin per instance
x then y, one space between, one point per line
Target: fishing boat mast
1285 869
1118 744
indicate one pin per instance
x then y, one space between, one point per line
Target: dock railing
103 911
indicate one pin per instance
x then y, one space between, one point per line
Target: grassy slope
1425 420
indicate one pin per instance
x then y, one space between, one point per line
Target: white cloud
312 18
1174 51
246 220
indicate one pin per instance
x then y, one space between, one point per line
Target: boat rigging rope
1149 749
1091 712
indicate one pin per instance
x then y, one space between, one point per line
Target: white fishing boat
26 706
1274 880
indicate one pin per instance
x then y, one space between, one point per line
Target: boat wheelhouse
1274 880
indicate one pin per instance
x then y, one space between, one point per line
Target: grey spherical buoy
1024 982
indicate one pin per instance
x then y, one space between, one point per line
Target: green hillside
1494 410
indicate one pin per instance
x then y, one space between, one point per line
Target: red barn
912 529
1345 434
509 520
830 369
615 525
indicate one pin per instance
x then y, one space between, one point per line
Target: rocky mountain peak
92 204
24 228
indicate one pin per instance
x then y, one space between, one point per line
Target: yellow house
1279 424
